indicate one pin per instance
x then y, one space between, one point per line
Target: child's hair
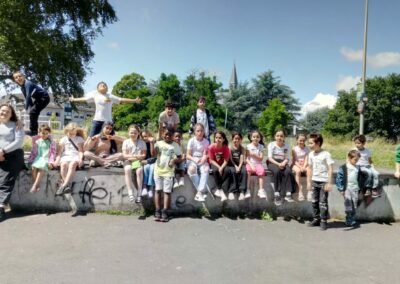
301 135
235 133
137 128
178 132
223 136
114 147
101 82
317 138
198 124
170 131
280 130
44 127
73 126
107 123
259 133
353 153
360 138
147 132
14 116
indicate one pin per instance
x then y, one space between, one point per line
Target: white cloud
113 45
347 82
378 60
319 101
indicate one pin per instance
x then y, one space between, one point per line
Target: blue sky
314 46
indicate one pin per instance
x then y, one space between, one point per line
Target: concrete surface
125 249
98 189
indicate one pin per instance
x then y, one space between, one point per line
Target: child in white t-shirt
319 180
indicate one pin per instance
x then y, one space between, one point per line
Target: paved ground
124 249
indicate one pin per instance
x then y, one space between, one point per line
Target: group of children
162 164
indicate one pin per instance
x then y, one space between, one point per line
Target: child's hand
171 163
143 162
237 168
328 187
221 171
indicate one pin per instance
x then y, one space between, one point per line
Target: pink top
300 154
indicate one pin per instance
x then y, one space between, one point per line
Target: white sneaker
182 182
247 195
218 192
309 196
199 197
231 196
241 197
176 184
144 191
223 196
204 196
150 193
289 198
261 193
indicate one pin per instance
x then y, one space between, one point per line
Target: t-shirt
352 177
165 153
134 148
301 154
197 148
365 154
319 163
278 153
69 149
235 155
218 155
169 120
202 118
254 150
103 105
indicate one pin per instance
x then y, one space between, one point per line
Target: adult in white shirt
103 102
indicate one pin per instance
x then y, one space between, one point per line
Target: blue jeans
148 174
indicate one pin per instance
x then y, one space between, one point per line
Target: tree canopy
50 40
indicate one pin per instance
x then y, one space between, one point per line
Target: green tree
132 86
50 40
268 87
382 110
275 116
342 119
241 110
314 121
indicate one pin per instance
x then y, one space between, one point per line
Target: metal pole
364 64
226 115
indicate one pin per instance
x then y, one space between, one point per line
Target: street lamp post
363 96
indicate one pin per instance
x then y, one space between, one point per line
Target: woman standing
11 154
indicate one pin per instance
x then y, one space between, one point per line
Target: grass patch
123 213
266 216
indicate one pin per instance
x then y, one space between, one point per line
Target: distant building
62 113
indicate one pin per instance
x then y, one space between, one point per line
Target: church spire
233 82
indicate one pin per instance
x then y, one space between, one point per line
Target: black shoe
314 223
157 215
323 226
2 214
164 216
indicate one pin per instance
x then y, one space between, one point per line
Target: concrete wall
98 189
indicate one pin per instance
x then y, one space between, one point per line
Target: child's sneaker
164 216
138 199
289 197
278 201
199 197
150 194
247 195
367 192
144 191
182 182
350 221
241 196
323 226
309 196
261 193
176 183
223 196
218 192
301 198
314 223
231 196
157 215
375 193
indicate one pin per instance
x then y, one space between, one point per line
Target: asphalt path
99 248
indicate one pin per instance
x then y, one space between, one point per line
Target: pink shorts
260 171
